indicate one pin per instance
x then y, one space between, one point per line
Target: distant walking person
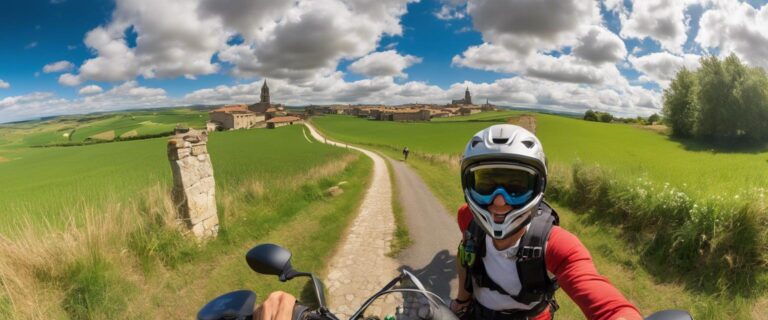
405 153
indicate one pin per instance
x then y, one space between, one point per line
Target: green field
628 151
69 129
125 257
702 249
53 184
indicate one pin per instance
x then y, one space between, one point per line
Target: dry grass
657 128
323 171
129 134
36 264
526 121
106 135
33 264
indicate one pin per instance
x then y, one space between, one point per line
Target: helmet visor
516 184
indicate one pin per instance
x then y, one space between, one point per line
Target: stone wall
194 189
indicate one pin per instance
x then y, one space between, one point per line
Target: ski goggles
516 184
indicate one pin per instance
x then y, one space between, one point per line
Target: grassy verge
128 260
625 267
310 230
402 238
716 245
708 255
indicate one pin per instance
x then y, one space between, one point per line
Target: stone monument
194 190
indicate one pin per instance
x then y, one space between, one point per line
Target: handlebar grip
299 311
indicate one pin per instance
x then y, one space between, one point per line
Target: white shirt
501 266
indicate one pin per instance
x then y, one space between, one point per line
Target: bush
723 240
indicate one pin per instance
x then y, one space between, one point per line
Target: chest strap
536 286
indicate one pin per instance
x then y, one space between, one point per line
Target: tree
654 118
680 110
605 117
590 116
753 99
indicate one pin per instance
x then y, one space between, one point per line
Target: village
265 114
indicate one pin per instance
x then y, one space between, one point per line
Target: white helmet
503 160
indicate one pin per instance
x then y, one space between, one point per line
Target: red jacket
571 263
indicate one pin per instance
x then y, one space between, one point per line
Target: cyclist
513 256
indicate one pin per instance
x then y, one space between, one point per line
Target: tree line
599 116
723 102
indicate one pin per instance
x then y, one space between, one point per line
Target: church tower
467 97
265 93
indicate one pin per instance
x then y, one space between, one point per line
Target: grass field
125 258
628 151
662 249
52 184
78 128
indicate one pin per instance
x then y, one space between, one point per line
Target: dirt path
433 230
360 267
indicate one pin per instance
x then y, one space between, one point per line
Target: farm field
52 184
634 229
97 127
124 257
629 152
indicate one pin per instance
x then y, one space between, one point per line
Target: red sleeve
569 260
464 217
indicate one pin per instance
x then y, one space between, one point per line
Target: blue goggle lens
516 185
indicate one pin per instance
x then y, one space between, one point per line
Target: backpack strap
472 252
531 265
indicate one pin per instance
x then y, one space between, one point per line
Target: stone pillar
194 190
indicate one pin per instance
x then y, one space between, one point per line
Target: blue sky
79 56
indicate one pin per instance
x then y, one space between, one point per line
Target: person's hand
459 306
278 306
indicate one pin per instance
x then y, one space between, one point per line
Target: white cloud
4 85
70 80
59 66
386 63
620 99
737 27
171 41
528 37
89 90
40 104
313 36
600 45
529 25
281 39
661 20
451 11
565 68
661 67
31 45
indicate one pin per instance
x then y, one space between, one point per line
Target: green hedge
721 240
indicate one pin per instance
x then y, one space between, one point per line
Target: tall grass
94 269
719 244
42 184
704 232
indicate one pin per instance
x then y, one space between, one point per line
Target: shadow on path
436 275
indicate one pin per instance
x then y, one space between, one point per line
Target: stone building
488 106
264 103
283 121
411 115
232 118
467 99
